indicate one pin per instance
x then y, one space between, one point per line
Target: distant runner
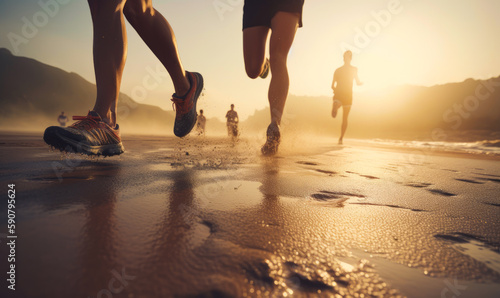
200 124
342 90
232 122
62 119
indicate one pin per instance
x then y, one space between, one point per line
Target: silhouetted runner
281 18
200 123
343 78
232 122
98 133
62 119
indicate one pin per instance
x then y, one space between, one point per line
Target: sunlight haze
394 43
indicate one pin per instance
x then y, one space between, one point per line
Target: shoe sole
199 88
63 143
266 71
269 152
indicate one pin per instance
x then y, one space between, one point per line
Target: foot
185 106
335 108
273 140
90 135
341 142
265 71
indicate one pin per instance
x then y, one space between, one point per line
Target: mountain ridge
34 92
32 88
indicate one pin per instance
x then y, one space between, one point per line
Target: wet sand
205 217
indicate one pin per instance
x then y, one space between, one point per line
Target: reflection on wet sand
139 227
99 244
170 255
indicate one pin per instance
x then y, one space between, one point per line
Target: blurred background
430 69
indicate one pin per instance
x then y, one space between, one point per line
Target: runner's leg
110 51
284 26
156 32
345 116
254 49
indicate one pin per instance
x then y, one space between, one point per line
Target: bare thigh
254 49
284 26
138 6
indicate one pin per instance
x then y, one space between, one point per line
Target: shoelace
179 104
86 122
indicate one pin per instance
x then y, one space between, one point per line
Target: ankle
275 122
111 124
107 118
182 88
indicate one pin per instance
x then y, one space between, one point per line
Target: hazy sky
422 42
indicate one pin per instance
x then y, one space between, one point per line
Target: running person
98 133
200 123
62 119
343 78
232 121
282 18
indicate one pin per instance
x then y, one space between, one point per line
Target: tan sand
206 217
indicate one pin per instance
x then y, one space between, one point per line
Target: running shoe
89 135
265 71
273 140
185 107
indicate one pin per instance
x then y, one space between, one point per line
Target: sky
395 42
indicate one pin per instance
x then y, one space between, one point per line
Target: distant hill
32 95
35 93
468 110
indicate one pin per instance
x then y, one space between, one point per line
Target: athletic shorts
344 98
261 12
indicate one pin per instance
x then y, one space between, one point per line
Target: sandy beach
206 217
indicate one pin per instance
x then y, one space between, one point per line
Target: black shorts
261 12
344 98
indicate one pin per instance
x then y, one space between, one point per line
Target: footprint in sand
389 168
474 246
199 233
469 181
493 180
336 197
310 163
325 197
307 163
301 276
453 238
488 177
491 204
330 173
210 225
418 184
441 192
341 193
391 206
365 176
